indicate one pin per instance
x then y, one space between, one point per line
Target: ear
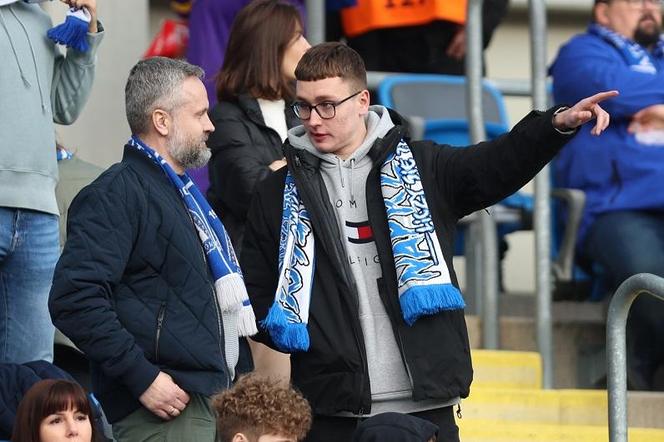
161 122
365 100
240 437
600 14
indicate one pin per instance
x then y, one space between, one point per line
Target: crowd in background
253 213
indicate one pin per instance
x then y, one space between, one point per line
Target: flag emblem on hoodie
359 233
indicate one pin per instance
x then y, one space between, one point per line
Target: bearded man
148 286
622 231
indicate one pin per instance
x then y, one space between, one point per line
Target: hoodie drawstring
11 43
352 194
32 53
341 175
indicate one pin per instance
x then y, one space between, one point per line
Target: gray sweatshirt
345 180
38 86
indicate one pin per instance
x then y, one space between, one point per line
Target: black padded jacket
133 291
333 374
242 149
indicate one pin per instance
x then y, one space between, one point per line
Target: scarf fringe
289 337
423 300
246 324
231 291
73 32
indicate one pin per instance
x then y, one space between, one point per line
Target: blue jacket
616 171
133 291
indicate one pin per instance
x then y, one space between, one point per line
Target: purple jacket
209 28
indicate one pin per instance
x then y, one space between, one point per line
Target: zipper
160 323
357 332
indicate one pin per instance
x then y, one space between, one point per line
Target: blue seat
440 101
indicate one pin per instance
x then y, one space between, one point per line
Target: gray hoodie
38 86
345 180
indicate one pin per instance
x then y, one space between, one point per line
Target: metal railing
616 351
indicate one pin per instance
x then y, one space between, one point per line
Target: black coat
333 374
133 291
242 149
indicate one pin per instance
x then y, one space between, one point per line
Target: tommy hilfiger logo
359 233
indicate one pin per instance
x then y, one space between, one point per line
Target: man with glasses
347 253
622 231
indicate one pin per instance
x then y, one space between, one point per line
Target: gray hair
154 83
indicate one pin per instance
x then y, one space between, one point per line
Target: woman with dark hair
54 410
254 87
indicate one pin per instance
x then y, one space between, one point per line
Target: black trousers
341 429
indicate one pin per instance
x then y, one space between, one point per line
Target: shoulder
583 42
227 110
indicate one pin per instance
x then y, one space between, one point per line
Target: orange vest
379 14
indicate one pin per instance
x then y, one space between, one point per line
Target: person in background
210 23
622 175
39 86
412 36
55 410
257 409
74 174
255 88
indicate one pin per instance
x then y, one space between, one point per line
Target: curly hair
257 406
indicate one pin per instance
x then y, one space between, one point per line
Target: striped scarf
423 279
231 292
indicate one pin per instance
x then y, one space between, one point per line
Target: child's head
257 409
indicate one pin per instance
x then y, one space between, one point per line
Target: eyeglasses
325 109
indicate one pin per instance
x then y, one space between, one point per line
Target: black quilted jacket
133 291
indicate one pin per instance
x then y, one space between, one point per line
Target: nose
207 124
72 427
314 118
306 44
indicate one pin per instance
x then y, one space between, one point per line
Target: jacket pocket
160 325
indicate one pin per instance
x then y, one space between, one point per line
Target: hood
378 123
395 427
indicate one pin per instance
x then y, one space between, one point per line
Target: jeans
29 249
624 244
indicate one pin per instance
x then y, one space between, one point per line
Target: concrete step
506 369
472 430
578 357
560 407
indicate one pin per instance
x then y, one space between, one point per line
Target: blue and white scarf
231 292
636 56
423 279
73 32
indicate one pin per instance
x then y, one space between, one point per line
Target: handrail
542 198
617 347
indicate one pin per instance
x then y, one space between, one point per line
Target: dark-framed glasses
325 109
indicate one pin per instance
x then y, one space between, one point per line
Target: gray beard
188 153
